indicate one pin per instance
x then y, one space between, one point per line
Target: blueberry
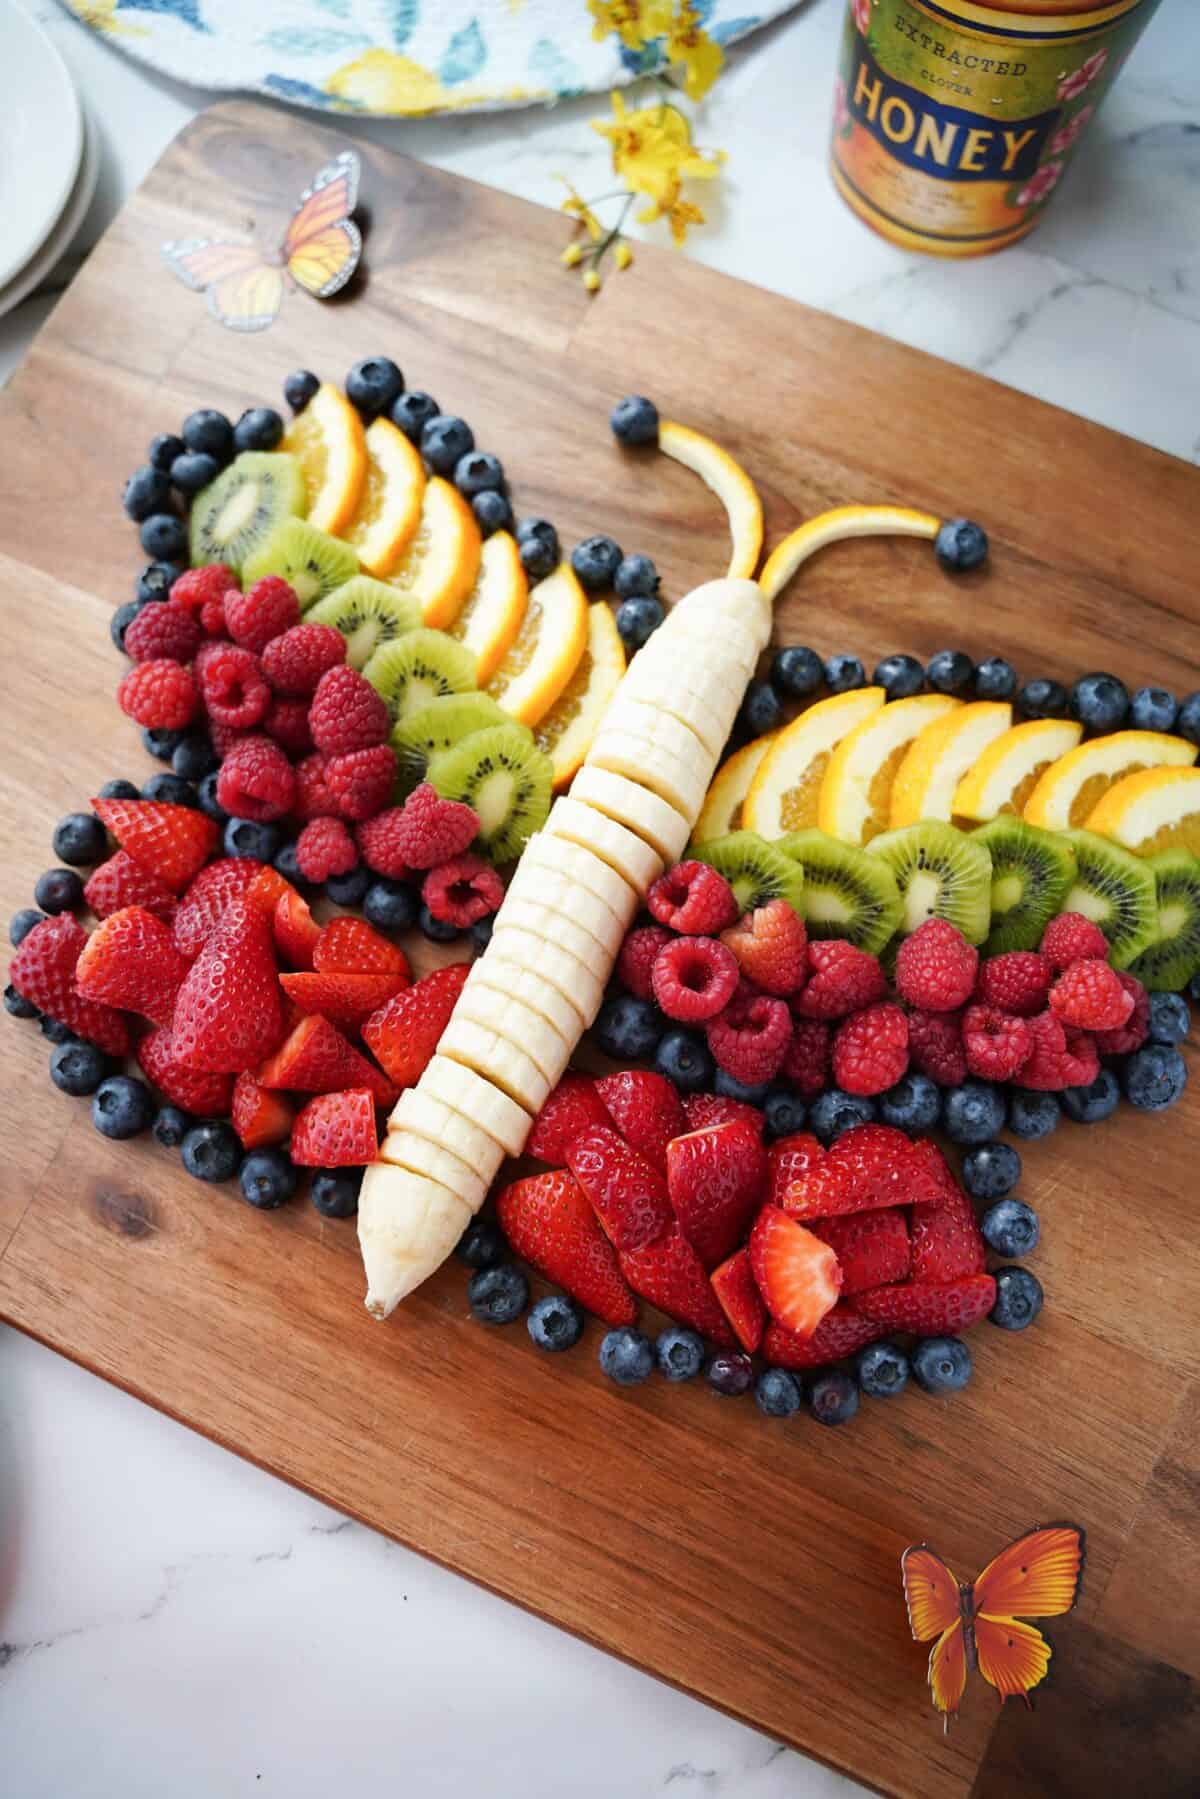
991 1170
480 932
77 1068
538 544
1170 1020
287 863
833 1397
193 471
478 472
438 930
482 1244
444 441
730 1373
634 420
122 618
912 1104
122 1106
374 385
638 620
626 1356
1153 709
211 1151
950 671
147 490
1043 698
412 412
16 1005
724 1085
119 790
882 1370
1010 1227
942 1364
161 743
192 758
247 837
785 1112
833 1112
960 544
209 803
555 1323
1194 988
162 536
58 890
22 922
170 1126
267 1178
628 1029
390 905
54 1031
80 840
163 450
900 676
208 432
778 1393
348 889
1188 723
679 1353
596 561
995 679
1018 1299
299 388
334 1191
1154 1077
259 428
797 671
157 579
498 1295
170 790
1094 1103
761 710
973 1112
636 577
1100 702
492 511
842 673
1031 1115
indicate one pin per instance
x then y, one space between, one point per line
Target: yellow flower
582 213
591 281
633 20
572 254
678 212
652 149
691 45
622 255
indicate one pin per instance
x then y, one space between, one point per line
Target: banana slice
546 886
517 981
643 718
554 927
574 863
647 761
496 1059
639 810
407 1226
695 642
630 855
694 697
574 981
420 1114
742 602
406 1149
467 1093
521 1025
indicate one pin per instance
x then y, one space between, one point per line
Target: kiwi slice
367 613
1031 872
1116 890
757 871
941 873
236 514
846 892
1174 956
505 777
312 561
438 726
419 667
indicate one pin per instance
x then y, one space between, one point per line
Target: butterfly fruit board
754 1565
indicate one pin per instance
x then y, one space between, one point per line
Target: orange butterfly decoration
978 1626
320 252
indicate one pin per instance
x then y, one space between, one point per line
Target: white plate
41 138
58 243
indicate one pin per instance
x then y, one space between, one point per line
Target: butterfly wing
331 198
244 291
199 261
1038 1576
1012 1656
324 263
930 1592
948 1668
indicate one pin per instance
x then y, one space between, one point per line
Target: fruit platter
667 901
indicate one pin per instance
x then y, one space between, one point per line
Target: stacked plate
48 158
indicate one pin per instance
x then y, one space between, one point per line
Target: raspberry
997 1043
432 829
232 686
694 978
842 979
287 724
323 848
295 662
212 618
1090 996
806 1064
361 781
1016 982
346 713
694 899
161 695
936 967
264 612
224 737
637 958
870 1049
1133 1033
770 945
204 655
170 631
196 585
935 1047
750 1038
1072 938
1061 1058
313 798
462 890
256 781
377 840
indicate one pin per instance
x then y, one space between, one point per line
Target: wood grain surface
753 1564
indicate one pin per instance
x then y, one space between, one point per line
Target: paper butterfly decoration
320 252
978 1626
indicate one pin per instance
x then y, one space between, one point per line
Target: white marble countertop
172 1619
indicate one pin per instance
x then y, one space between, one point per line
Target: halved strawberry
824 1191
788 1160
350 946
201 907
229 1013
296 930
261 1116
315 1058
840 1333
335 1130
173 842
740 1299
121 882
130 961
573 1108
714 1108
871 1247
669 1274
345 999
192 1089
946 1241
404 1033
548 1221
645 1109
939 1309
715 1180
267 888
43 971
797 1275
627 1192
880 1157
930 1177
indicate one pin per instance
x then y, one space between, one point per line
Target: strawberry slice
715 1180
43 972
872 1248
173 842
267 888
879 1156
646 1111
122 882
797 1275
192 1089
315 1058
344 999
405 1032
627 1192
260 1115
669 1274
549 1222
350 946
824 1191
790 1159
229 1012
335 1130
130 961
840 1333
203 905
296 930
714 1108
946 1241
573 1108
931 1178
941 1309
740 1300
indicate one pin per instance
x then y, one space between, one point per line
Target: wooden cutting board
751 1563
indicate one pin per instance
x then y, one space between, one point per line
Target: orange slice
390 507
1155 809
937 760
855 798
1012 765
546 650
832 527
328 441
1070 789
785 793
722 808
442 560
565 733
493 610
731 484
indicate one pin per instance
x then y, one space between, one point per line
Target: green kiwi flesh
505 777
312 561
757 871
439 726
1032 870
367 613
419 667
236 514
1116 890
941 873
846 892
1174 956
